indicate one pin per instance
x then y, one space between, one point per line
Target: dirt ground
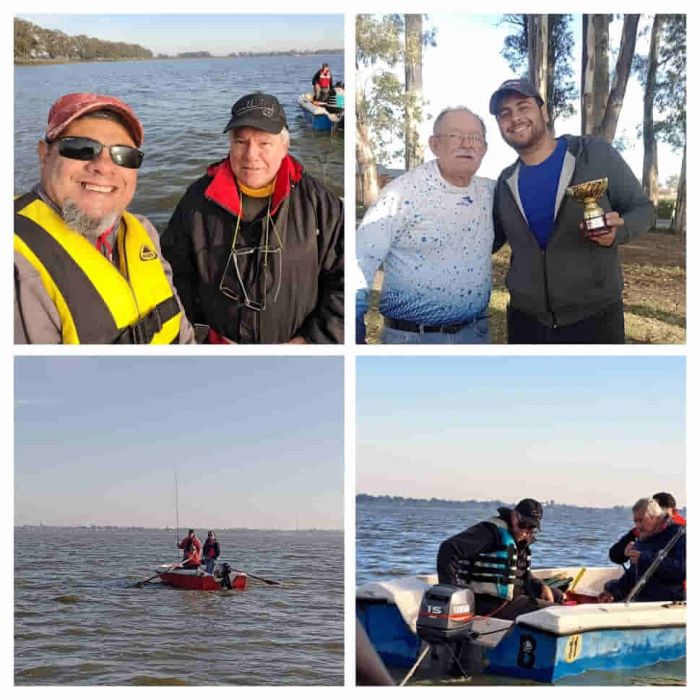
654 295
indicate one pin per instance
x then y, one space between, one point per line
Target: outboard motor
446 614
445 620
226 576
231 579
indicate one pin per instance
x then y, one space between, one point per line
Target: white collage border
349 351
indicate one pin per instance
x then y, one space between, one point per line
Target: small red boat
224 578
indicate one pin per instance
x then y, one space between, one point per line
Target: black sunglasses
83 148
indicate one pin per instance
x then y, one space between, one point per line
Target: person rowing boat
192 551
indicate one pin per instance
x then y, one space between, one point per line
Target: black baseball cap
258 111
521 85
530 512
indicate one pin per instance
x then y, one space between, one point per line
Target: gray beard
83 224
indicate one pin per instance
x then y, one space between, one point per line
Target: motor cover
446 613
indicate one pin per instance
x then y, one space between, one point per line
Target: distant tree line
34 43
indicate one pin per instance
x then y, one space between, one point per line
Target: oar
268 581
174 566
654 565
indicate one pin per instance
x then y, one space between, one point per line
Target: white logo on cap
256 103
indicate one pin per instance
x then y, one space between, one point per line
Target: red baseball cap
68 108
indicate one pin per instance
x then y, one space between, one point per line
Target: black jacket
482 537
305 280
667 582
573 278
617 551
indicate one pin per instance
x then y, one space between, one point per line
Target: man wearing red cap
256 244
86 270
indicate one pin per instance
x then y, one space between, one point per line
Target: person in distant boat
493 559
210 552
256 244
86 270
191 551
619 552
336 99
322 82
656 528
431 231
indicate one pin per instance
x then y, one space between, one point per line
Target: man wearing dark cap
493 559
565 286
86 270
256 244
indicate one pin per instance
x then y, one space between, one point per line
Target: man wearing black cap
565 287
256 244
493 559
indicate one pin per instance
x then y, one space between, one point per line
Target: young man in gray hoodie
565 286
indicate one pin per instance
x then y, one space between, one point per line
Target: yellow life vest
96 302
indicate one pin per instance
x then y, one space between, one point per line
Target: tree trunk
413 64
368 185
601 68
537 52
650 168
587 70
613 107
678 224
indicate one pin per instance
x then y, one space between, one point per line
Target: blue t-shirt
538 186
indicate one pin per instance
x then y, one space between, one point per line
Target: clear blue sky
217 33
257 442
594 431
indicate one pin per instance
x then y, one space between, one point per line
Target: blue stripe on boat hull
540 656
391 637
319 122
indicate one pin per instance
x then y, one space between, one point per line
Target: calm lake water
402 539
80 621
184 106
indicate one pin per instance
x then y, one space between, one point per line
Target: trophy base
595 232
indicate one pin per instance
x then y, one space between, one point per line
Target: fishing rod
654 565
177 519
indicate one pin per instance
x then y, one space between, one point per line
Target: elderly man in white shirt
432 231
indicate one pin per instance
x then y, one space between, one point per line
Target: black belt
411 327
142 331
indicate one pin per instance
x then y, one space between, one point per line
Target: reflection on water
184 106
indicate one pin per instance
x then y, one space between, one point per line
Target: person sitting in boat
493 559
86 270
336 98
619 551
256 244
191 551
210 552
322 82
656 528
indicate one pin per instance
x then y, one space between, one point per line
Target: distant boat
318 116
545 645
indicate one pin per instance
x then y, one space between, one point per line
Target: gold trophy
593 216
